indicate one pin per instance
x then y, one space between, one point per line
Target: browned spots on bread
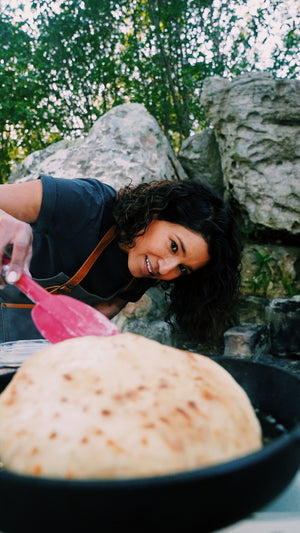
132 394
114 445
106 412
98 431
67 377
84 440
208 395
193 405
144 414
98 391
118 397
183 412
24 376
21 433
164 420
176 445
163 384
37 470
191 356
12 397
53 435
34 451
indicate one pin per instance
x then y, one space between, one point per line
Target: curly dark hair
202 304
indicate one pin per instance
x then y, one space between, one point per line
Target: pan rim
249 362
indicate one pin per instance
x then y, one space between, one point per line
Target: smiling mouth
149 267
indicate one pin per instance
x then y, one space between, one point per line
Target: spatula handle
28 286
32 289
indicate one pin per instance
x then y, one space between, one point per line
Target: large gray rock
200 158
126 145
146 317
256 120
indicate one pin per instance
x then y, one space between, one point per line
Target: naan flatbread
122 406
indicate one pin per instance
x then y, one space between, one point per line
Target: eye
174 246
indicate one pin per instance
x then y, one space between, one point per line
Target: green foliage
271 275
288 57
23 126
262 275
75 60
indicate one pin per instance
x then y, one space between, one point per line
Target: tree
77 59
16 110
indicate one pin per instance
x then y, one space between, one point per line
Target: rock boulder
256 120
126 145
200 158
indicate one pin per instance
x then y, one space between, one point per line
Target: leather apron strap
87 265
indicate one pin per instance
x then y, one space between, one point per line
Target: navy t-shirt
74 216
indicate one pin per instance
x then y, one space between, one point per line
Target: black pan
202 500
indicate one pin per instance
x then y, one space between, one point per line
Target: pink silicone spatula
60 317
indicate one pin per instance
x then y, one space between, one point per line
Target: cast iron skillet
201 500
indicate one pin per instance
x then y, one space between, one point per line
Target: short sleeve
72 203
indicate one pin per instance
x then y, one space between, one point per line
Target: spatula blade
60 317
65 317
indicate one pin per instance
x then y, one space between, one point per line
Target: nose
167 265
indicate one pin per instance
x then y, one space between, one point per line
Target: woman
179 233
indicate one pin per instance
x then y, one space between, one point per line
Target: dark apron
15 319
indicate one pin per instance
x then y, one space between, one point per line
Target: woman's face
166 251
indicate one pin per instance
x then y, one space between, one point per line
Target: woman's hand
17 234
20 205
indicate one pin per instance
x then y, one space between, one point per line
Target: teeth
149 266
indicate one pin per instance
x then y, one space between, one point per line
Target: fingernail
11 277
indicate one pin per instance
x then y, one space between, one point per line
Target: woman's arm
19 206
22 200
112 307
